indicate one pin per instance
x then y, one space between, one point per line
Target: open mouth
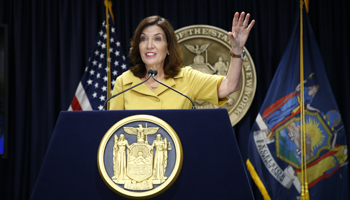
150 54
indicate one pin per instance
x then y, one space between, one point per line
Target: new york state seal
206 49
140 157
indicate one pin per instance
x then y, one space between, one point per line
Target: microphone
150 73
155 72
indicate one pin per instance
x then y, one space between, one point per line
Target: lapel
142 89
170 82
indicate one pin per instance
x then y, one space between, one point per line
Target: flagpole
108 5
304 187
301 104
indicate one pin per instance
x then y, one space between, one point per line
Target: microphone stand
150 73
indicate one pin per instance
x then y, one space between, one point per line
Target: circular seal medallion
140 157
207 49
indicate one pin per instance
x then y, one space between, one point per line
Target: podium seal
140 157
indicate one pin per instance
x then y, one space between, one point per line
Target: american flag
92 89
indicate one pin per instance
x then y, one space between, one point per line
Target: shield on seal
139 162
317 139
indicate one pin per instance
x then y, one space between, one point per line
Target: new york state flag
274 156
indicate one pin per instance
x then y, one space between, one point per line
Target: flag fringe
257 180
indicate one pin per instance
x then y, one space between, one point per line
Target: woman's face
153 47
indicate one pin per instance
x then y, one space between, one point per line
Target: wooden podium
212 164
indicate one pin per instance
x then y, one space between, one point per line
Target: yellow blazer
195 84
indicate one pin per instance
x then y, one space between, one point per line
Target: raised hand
240 29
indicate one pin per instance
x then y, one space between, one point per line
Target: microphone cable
155 72
150 73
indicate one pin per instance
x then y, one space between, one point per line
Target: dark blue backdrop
50 41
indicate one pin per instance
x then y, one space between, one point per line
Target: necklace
152 87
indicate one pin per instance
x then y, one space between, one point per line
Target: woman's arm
238 36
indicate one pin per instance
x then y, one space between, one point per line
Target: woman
160 159
154 46
119 158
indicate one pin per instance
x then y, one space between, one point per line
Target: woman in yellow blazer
154 46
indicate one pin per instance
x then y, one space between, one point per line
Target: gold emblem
133 170
207 49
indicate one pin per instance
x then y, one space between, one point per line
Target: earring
168 53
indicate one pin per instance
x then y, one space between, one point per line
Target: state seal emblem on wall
140 157
206 48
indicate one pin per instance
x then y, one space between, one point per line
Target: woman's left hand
240 29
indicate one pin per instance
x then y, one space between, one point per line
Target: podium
212 164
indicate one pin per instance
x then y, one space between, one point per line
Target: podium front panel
212 164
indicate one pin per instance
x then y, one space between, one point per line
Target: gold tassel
304 185
307 196
307 5
108 4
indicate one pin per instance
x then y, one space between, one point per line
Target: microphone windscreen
155 72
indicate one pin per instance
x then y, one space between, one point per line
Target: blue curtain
50 41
